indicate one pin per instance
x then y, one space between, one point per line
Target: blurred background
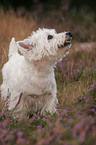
19 18
79 17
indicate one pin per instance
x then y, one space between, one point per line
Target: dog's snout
69 34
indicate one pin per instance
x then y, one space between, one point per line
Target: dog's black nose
69 33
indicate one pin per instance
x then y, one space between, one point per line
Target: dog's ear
25 45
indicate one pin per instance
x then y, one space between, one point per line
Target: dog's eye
50 37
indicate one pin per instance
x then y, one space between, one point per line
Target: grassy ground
75 120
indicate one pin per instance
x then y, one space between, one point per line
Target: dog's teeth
67 41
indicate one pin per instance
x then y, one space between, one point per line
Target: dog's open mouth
66 43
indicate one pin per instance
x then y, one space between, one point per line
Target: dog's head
45 43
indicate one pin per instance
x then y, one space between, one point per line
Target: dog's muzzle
68 39
67 42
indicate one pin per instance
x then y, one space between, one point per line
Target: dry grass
82 63
13 26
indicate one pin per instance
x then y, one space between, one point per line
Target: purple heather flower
5 123
60 118
93 110
72 75
84 97
59 109
70 120
65 111
59 136
19 133
39 127
78 70
60 64
92 86
48 121
44 119
9 137
94 82
4 131
38 117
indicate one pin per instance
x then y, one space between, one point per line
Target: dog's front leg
50 105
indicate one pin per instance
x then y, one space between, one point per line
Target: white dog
28 76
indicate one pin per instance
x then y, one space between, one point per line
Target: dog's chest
39 83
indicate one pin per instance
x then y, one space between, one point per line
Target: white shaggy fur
28 76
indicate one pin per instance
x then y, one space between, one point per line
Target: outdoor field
74 122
